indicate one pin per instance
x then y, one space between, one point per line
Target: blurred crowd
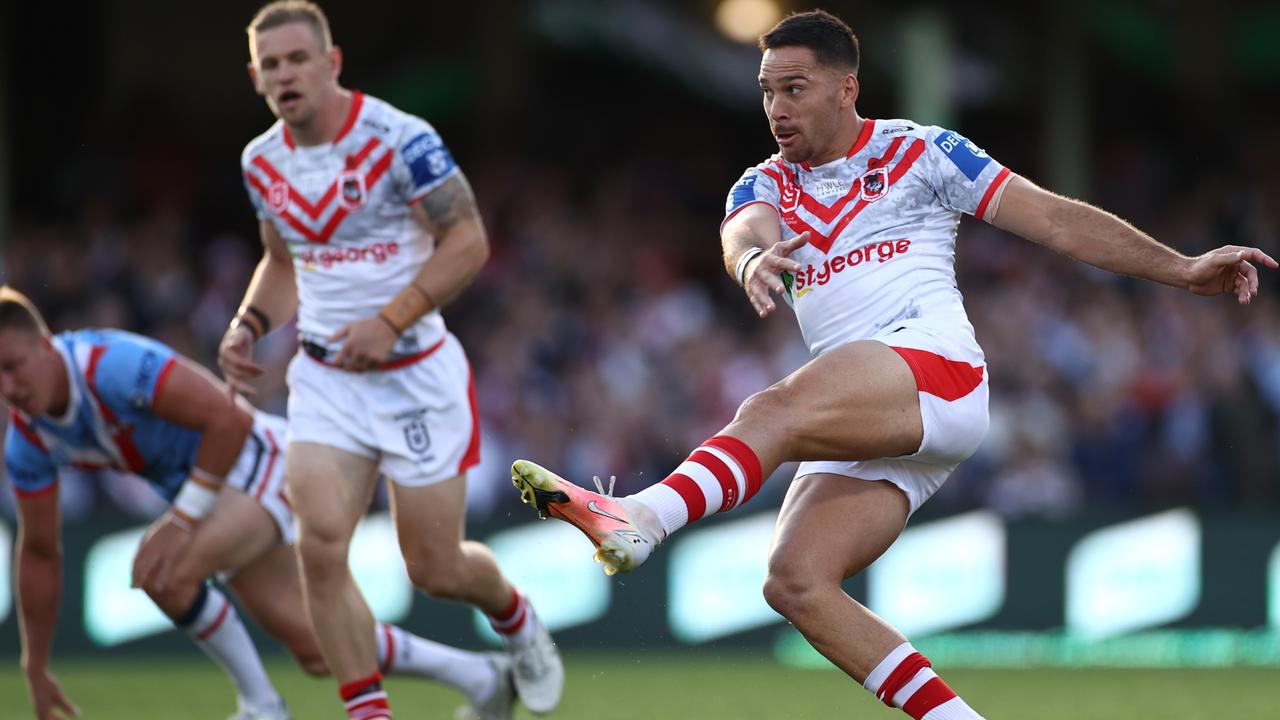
607 340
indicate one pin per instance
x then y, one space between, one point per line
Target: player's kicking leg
856 402
271 591
236 530
430 521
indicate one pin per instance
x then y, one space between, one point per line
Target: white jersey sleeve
962 174
422 162
753 187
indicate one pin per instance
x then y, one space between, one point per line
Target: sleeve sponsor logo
427 158
144 380
967 157
742 193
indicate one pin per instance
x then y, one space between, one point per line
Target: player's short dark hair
282 12
19 313
830 38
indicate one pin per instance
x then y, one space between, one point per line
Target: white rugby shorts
419 421
259 471
951 377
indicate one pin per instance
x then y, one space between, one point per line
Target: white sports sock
215 626
401 653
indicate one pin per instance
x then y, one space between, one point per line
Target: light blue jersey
114 378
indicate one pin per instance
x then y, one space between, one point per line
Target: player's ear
253 77
335 62
849 88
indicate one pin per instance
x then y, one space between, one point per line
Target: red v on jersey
322 234
792 196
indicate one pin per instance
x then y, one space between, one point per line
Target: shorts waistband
321 354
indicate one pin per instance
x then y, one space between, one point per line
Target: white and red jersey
882 223
344 208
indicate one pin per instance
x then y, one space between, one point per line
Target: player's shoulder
771 164
271 139
114 348
389 123
891 129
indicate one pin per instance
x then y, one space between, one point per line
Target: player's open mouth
289 98
785 138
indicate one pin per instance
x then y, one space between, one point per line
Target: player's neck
842 143
326 123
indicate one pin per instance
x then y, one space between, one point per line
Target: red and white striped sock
720 475
215 626
511 622
905 680
365 699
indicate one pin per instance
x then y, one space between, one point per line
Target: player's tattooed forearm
450 203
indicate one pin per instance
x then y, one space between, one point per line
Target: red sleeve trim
163 378
742 207
33 494
991 193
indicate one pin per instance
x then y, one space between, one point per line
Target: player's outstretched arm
192 397
449 214
755 255
39 573
1103 240
272 298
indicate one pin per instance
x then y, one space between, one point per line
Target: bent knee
768 403
319 552
438 577
791 591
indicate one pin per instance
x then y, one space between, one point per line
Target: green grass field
705 686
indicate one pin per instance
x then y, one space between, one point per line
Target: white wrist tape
741 270
194 500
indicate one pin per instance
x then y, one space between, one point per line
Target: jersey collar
357 100
68 418
868 126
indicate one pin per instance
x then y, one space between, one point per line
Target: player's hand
47 697
366 344
235 359
166 540
1228 271
762 276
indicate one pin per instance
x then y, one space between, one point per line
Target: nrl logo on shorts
278 196
416 435
874 183
353 193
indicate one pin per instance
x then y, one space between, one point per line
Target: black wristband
261 317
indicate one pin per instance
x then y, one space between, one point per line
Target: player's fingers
1250 275
779 263
241 366
752 296
141 570
343 332
786 247
239 387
